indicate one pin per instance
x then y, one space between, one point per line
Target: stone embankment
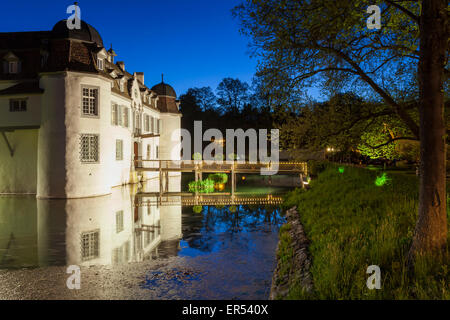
293 259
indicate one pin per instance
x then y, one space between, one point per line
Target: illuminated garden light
341 169
382 180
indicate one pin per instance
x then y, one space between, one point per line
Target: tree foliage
233 95
303 42
326 43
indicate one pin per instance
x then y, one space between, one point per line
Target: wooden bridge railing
212 166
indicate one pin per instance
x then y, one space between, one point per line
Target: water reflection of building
94 231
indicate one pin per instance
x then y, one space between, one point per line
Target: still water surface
151 251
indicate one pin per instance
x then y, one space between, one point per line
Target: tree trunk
431 228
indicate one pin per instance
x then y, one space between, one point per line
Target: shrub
218 177
202 186
197 209
315 167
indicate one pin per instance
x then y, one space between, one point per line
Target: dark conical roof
163 89
86 33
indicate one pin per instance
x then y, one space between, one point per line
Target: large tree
301 43
232 94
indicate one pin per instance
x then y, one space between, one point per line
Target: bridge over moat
198 167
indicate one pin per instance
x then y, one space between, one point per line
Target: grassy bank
353 223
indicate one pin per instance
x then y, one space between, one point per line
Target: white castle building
72 120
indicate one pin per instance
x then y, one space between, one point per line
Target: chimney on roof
121 65
111 54
140 77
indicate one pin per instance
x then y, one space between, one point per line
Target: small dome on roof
86 33
163 89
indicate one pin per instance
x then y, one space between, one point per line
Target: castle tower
170 139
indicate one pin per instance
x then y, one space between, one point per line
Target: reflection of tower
92 231
157 223
51 216
18 232
171 214
171 221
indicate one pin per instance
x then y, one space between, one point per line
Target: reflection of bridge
198 167
211 199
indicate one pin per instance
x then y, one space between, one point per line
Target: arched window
11 64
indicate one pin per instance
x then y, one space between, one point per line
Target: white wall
120 169
18 173
54 149
170 141
31 117
51 170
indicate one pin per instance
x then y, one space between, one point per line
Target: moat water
153 250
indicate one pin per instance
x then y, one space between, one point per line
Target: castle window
158 126
138 121
18 105
90 245
100 64
119 115
119 221
44 59
90 101
114 114
89 148
152 125
157 153
126 118
122 86
147 123
11 64
149 152
119 150
13 67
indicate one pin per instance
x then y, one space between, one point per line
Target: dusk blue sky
194 43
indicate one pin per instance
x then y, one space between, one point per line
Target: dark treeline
234 104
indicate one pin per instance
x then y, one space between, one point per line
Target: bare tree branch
415 18
391 141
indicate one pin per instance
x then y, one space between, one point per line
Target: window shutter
119 115
112 114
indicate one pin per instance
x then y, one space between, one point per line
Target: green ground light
197 209
382 180
341 169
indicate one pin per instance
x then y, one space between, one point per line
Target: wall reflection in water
95 231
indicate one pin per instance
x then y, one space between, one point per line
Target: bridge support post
160 180
167 182
196 180
233 181
302 185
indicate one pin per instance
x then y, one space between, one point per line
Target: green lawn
352 223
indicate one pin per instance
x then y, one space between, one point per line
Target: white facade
46 160
77 134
